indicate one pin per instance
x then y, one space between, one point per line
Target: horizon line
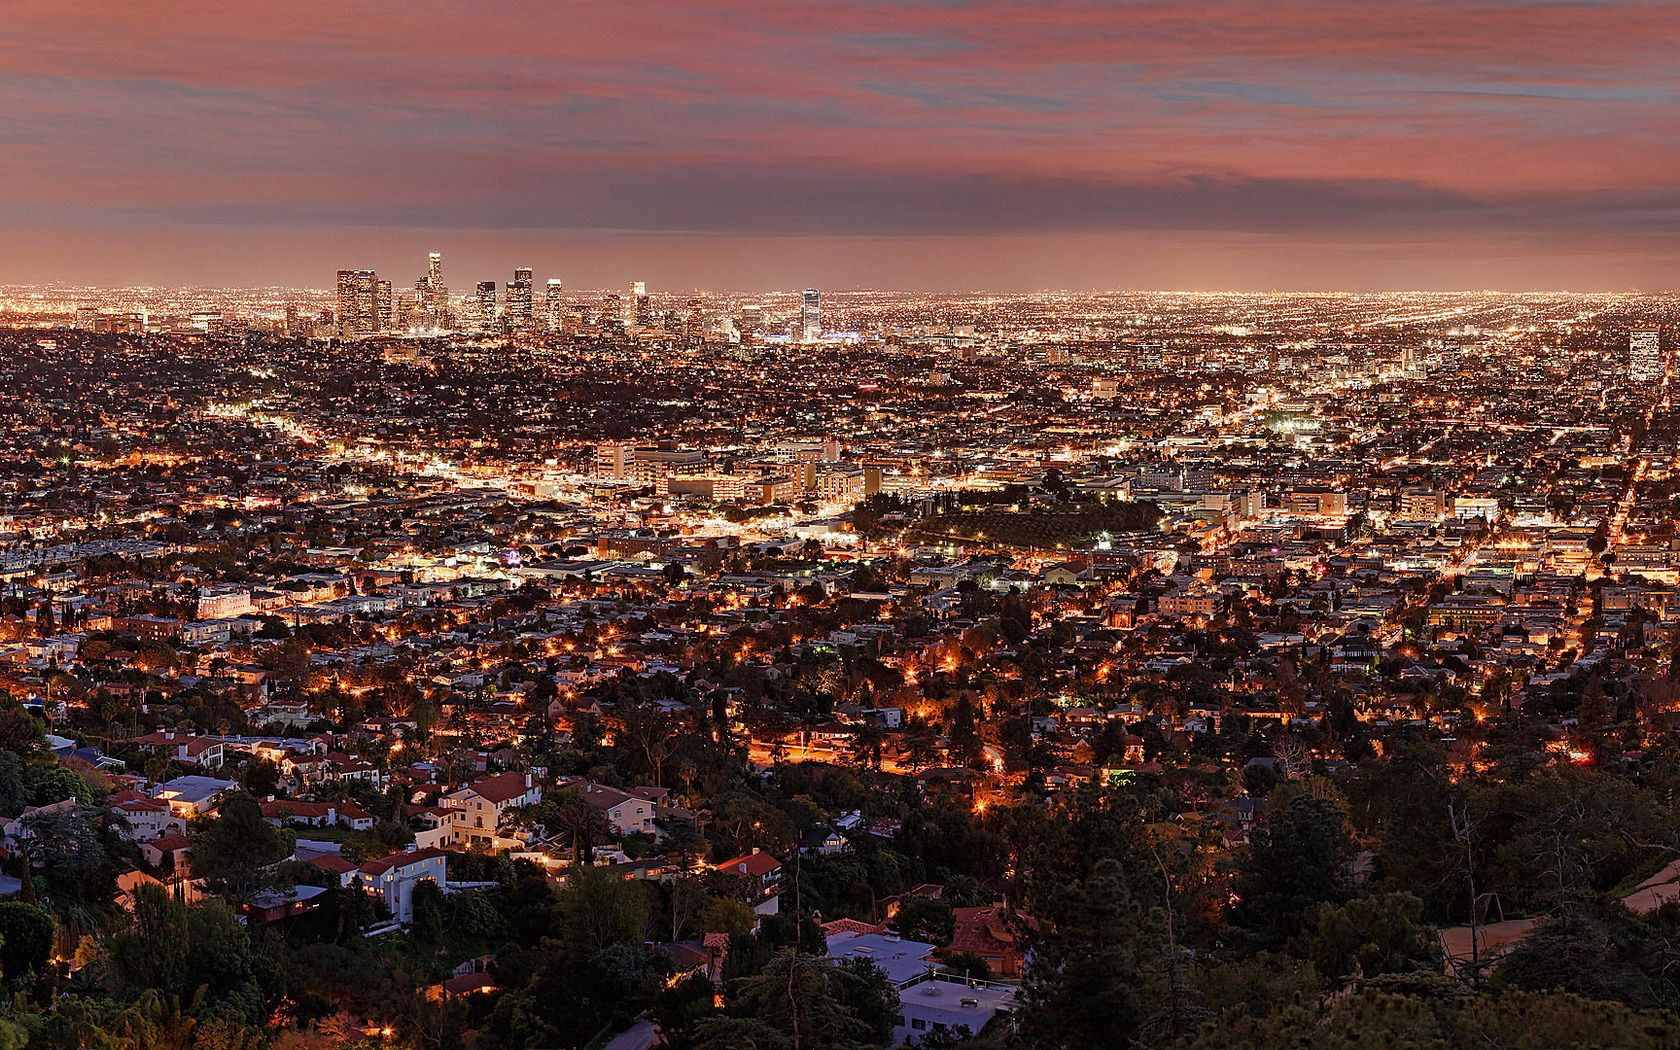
864 290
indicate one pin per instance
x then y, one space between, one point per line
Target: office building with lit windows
358 303
810 316
1645 356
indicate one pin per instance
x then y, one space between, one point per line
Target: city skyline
978 147
899 525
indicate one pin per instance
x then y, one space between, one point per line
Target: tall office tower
358 303
484 307
294 321
1645 357
810 316
640 315
554 310
694 322
384 306
519 300
431 296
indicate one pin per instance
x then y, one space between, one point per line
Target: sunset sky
916 144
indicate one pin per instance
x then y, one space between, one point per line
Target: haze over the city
986 145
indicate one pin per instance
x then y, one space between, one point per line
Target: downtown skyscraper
553 306
483 307
431 295
359 303
810 316
519 300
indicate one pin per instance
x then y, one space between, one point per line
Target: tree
1083 986
260 777
14 789
727 916
1604 955
197 954
20 732
428 913
965 732
1300 856
656 736
579 822
865 992
78 852
1368 936
239 851
926 919
57 783
597 909
26 939
804 1002
684 901
574 998
1439 1015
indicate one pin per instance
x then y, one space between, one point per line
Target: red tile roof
760 864
503 787
852 926
332 862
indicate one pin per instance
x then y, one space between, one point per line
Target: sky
916 144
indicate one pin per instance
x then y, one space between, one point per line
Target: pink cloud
315 111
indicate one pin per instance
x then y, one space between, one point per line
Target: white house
393 878
630 814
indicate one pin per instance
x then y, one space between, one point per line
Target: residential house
630 814
763 874
148 818
199 751
393 878
477 810
193 796
989 933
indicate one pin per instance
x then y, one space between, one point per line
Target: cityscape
832 616
953 526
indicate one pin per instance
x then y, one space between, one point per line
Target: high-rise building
694 322
406 311
519 300
484 307
810 316
358 303
384 306
431 296
553 307
641 315
1645 356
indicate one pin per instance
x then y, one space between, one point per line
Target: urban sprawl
516 666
